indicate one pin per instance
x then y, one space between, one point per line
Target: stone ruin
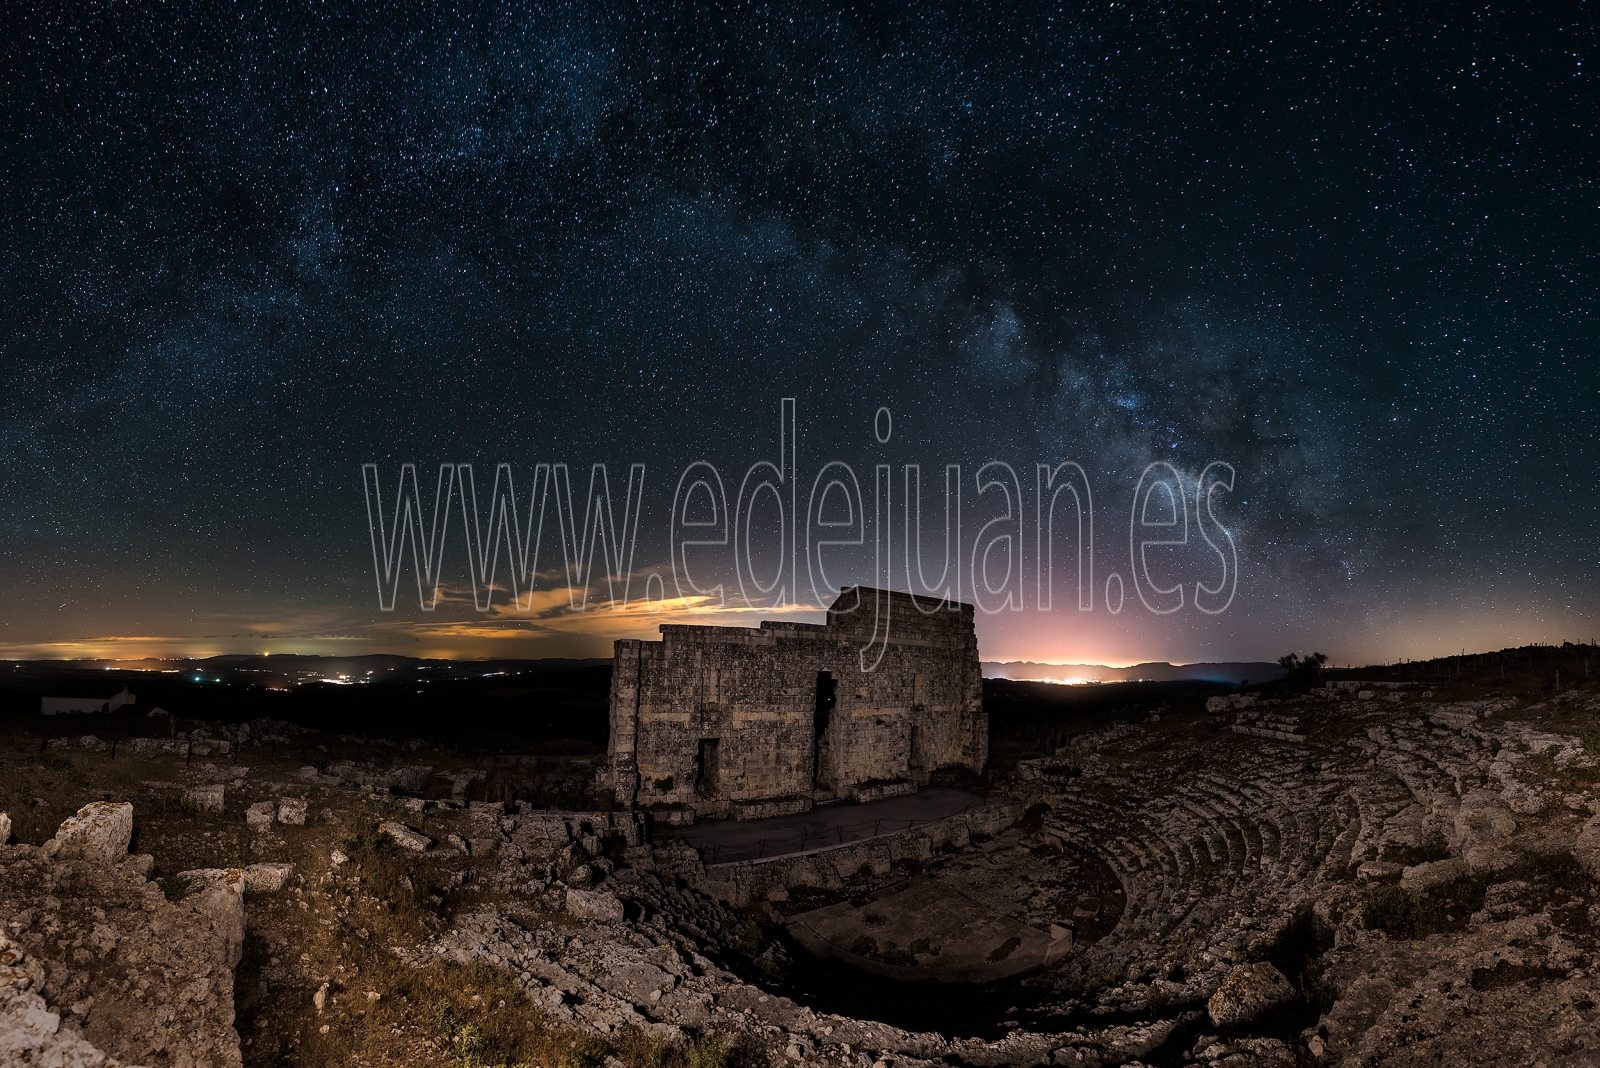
752 722
1359 875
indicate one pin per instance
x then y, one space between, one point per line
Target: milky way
247 251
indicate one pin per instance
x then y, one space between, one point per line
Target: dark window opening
706 767
826 699
825 702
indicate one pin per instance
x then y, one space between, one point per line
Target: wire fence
815 837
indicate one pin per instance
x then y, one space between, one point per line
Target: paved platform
941 933
729 841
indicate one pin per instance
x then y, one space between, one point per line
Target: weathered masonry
742 722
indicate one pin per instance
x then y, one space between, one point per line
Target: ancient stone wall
728 719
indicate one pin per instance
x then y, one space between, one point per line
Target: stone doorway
707 767
822 715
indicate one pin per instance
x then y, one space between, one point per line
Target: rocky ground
1365 875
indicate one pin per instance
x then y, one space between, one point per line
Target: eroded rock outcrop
99 968
1248 991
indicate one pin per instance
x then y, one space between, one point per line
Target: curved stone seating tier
1258 824
1189 846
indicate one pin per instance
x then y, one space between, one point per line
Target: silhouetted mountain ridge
1233 672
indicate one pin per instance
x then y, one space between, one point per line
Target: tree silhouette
1302 669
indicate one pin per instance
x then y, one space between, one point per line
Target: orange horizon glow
546 626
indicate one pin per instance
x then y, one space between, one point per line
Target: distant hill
310 664
1233 673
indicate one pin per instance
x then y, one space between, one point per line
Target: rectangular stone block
101 828
777 806
205 798
258 817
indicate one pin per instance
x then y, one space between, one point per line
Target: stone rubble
1248 991
292 811
1364 876
407 837
29 1032
98 968
259 816
101 829
1222 859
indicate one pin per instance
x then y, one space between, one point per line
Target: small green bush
708 1051
472 1049
752 939
585 1053
1387 908
893 954
1446 907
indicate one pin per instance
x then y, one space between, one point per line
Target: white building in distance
54 706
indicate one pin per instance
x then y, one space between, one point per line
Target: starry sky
1347 249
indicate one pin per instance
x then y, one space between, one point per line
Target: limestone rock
30 1034
16 971
101 828
5 828
1420 877
292 810
637 981
144 978
408 837
259 816
1483 830
1586 848
1378 870
205 798
594 905
267 878
220 898
1247 992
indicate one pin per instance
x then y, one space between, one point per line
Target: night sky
1347 249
